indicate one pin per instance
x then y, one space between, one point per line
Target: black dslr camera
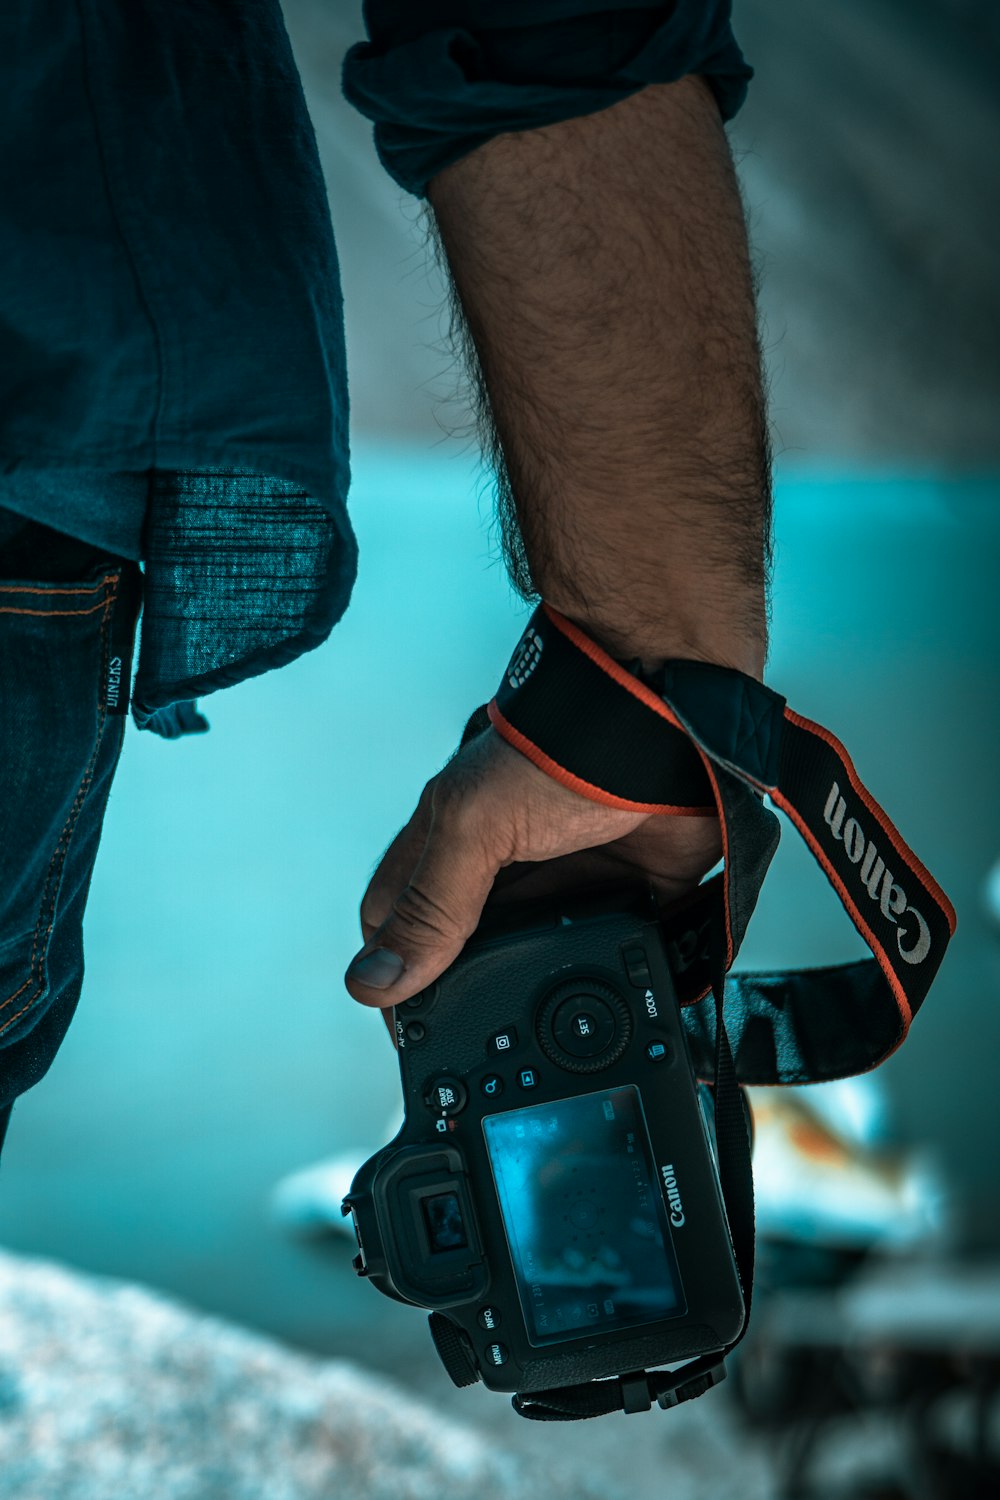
553 1195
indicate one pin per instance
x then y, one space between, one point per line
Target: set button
584 1024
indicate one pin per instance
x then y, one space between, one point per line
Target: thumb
432 917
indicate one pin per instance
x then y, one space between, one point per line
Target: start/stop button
446 1095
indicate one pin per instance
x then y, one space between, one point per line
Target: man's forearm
603 271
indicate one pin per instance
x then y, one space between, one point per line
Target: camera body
552 1196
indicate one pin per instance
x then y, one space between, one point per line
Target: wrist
740 643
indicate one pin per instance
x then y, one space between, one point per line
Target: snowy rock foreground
109 1392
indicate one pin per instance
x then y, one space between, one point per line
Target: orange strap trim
576 783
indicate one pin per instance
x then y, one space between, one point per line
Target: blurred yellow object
820 1178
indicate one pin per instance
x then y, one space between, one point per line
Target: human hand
491 821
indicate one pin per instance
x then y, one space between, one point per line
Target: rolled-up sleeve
439 78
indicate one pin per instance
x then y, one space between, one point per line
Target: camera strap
695 739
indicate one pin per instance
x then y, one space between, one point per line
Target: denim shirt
173 382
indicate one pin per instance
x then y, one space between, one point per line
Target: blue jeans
67 625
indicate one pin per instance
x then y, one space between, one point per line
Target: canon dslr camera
553 1196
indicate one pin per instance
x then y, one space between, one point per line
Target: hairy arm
604 298
602 267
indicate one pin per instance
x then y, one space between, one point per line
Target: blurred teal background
233 864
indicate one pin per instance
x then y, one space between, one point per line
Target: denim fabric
65 661
169 286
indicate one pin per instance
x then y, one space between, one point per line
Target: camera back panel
553 1190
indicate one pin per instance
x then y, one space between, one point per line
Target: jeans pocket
65 660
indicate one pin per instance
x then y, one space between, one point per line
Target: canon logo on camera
673 1196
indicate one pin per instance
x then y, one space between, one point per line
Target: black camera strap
698 739
702 739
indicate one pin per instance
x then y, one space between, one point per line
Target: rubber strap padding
581 718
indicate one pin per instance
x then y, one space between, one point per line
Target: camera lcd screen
584 1215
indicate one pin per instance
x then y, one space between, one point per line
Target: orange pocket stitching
63 842
29 588
4 610
108 579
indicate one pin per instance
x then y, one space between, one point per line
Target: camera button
527 1079
496 1354
492 1085
584 1025
422 999
658 1051
637 966
415 1031
446 1096
488 1318
504 1041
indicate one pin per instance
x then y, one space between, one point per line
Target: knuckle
423 915
472 814
448 795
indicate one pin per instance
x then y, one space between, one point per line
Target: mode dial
583 1025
